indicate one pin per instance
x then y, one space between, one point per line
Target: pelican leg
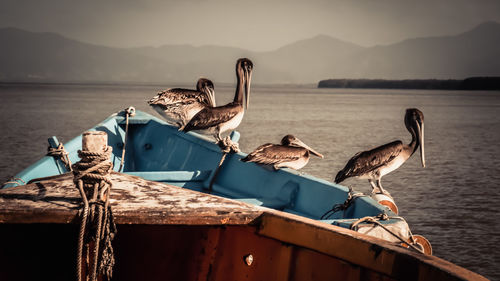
375 188
218 138
382 190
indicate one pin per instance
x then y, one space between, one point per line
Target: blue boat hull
159 152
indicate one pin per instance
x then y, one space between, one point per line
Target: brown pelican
178 105
216 120
291 153
375 163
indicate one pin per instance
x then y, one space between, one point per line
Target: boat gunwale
310 233
370 252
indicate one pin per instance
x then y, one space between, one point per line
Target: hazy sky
253 24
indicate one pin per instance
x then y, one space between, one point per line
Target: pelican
178 105
291 153
216 120
375 163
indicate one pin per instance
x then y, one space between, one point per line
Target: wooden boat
171 229
172 233
159 152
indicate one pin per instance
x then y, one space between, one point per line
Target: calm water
452 202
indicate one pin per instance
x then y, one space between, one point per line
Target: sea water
452 202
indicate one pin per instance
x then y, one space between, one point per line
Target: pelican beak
421 141
211 95
300 143
248 80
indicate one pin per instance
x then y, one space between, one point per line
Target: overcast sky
257 25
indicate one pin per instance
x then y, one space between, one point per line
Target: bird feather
212 116
367 161
274 154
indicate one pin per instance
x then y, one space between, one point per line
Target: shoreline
468 84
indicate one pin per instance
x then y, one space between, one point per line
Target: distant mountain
191 62
473 53
283 65
308 59
51 57
29 56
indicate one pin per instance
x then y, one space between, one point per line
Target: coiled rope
92 178
226 147
129 112
376 220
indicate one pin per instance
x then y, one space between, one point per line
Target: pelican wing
367 161
175 106
179 95
269 154
212 116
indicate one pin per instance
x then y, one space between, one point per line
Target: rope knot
56 151
130 111
60 152
228 146
93 166
382 216
351 197
14 180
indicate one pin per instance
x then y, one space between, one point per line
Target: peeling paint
133 199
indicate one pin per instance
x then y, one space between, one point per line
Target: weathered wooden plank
318 266
133 200
360 249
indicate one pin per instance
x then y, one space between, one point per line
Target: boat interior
159 152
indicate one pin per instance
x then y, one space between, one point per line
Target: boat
183 214
157 151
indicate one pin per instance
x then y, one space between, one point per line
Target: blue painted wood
173 176
157 151
53 142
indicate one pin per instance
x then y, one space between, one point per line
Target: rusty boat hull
171 233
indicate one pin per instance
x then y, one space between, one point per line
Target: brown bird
216 120
375 163
291 153
179 105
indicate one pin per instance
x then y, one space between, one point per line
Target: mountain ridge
44 56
